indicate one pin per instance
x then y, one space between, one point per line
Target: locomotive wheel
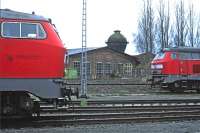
36 108
15 104
179 91
178 88
198 90
175 87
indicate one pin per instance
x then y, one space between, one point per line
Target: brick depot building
109 61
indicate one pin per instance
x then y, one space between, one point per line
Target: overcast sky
103 17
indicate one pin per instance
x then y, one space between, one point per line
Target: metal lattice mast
84 53
0 8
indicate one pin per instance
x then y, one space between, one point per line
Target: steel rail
115 120
168 101
115 111
115 115
109 84
110 118
118 109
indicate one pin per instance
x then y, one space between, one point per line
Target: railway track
120 111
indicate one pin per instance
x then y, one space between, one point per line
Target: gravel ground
162 127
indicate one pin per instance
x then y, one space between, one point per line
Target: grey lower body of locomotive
43 88
178 82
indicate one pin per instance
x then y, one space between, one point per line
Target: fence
134 73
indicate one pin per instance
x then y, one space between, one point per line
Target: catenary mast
84 52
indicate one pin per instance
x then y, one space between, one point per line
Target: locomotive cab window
11 30
23 30
185 56
173 56
189 56
160 55
195 56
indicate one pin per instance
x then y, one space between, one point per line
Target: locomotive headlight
157 66
152 66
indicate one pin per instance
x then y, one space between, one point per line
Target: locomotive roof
7 13
183 49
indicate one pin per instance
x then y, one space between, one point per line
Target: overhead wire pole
0 8
84 53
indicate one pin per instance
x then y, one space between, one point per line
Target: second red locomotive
177 69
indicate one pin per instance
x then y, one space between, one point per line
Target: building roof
76 51
183 49
145 59
7 13
79 50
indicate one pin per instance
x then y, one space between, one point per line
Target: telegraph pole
84 53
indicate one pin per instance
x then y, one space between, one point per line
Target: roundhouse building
104 62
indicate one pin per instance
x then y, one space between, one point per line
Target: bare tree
150 23
197 35
144 38
162 35
166 26
172 36
191 26
181 30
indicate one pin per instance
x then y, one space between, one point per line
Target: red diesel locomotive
31 62
177 69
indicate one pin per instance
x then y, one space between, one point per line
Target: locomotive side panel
189 63
166 64
174 64
170 65
31 57
196 68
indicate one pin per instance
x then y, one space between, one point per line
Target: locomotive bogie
15 103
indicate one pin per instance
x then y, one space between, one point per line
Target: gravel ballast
161 127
